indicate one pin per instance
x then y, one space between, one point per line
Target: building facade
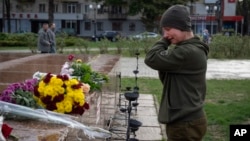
84 17
215 16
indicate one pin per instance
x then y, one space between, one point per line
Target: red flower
78 110
86 106
47 100
60 77
47 78
58 98
6 130
78 86
36 93
71 57
65 77
51 106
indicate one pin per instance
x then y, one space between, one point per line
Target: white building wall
229 8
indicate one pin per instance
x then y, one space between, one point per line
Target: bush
70 41
13 43
3 36
230 47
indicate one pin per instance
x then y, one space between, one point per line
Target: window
117 26
70 24
71 7
99 26
42 8
100 10
131 27
87 26
56 8
116 10
86 8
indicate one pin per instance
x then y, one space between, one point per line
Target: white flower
66 70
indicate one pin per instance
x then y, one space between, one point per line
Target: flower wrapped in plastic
61 94
20 93
43 115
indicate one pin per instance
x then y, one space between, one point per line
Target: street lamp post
210 11
219 15
94 7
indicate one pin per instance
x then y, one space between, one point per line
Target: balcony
117 16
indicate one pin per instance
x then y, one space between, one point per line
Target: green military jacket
182 71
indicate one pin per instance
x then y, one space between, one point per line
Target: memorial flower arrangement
58 93
83 72
61 94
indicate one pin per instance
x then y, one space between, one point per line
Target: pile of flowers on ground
84 73
61 94
58 93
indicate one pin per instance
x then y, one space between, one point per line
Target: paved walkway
217 69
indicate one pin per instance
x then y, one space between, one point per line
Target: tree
6 7
151 10
51 11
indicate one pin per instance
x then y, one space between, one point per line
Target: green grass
227 102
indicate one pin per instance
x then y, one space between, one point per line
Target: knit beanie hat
178 17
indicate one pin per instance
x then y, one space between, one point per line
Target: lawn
227 102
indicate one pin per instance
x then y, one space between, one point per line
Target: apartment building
85 17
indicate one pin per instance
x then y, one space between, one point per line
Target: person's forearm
159 47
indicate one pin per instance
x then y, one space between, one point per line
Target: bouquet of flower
84 73
61 94
20 93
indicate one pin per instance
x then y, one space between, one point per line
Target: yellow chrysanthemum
57 86
49 90
69 89
60 107
73 82
56 81
70 94
79 98
41 84
61 90
67 105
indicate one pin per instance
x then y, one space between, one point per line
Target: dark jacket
44 41
52 40
182 71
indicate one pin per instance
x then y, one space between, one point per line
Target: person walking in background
44 41
52 35
182 71
206 36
